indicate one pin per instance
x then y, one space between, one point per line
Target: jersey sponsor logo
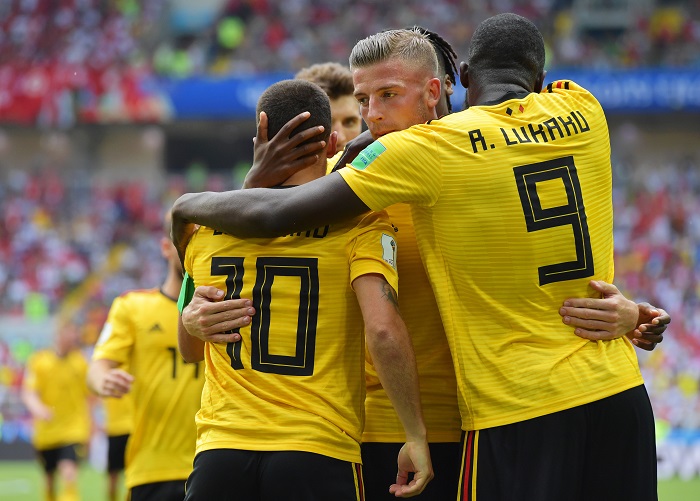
389 249
368 155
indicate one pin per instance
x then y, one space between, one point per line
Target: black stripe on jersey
232 269
302 363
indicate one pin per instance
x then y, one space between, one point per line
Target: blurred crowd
67 61
94 60
657 245
262 35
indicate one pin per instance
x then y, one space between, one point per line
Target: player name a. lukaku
550 130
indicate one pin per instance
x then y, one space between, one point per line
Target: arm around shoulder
268 213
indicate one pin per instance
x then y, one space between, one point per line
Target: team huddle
411 311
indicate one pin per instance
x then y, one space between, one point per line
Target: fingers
214 322
116 383
595 335
261 134
587 318
288 128
309 149
644 344
603 287
209 293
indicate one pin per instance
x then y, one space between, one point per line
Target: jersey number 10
306 269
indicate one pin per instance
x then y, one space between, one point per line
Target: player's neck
494 93
306 175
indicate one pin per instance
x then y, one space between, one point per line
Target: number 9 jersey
295 381
512 207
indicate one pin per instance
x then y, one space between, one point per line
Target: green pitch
22 481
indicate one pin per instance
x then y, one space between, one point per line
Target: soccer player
141 335
336 81
512 208
54 391
282 408
118 421
383 434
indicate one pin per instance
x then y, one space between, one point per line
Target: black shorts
602 451
115 452
173 490
49 458
232 474
379 469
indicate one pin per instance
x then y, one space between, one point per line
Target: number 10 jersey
295 381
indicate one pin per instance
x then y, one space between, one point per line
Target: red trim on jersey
360 482
468 466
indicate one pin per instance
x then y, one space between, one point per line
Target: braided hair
447 57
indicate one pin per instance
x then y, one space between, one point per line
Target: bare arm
107 380
390 346
36 407
267 213
191 348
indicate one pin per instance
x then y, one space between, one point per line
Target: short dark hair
334 78
284 100
509 45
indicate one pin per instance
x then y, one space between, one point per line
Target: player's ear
464 74
332 147
449 85
540 81
434 88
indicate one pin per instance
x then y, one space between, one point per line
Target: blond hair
411 46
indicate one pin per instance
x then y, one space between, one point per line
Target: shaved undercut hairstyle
507 47
408 45
446 55
284 100
335 79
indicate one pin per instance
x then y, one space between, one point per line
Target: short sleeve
31 381
373 249
402 167
117 338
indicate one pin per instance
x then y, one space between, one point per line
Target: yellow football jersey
296 380
60 384
419 310
141 333
435 372
118 415
512 208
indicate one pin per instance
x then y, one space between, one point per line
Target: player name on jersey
550 130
